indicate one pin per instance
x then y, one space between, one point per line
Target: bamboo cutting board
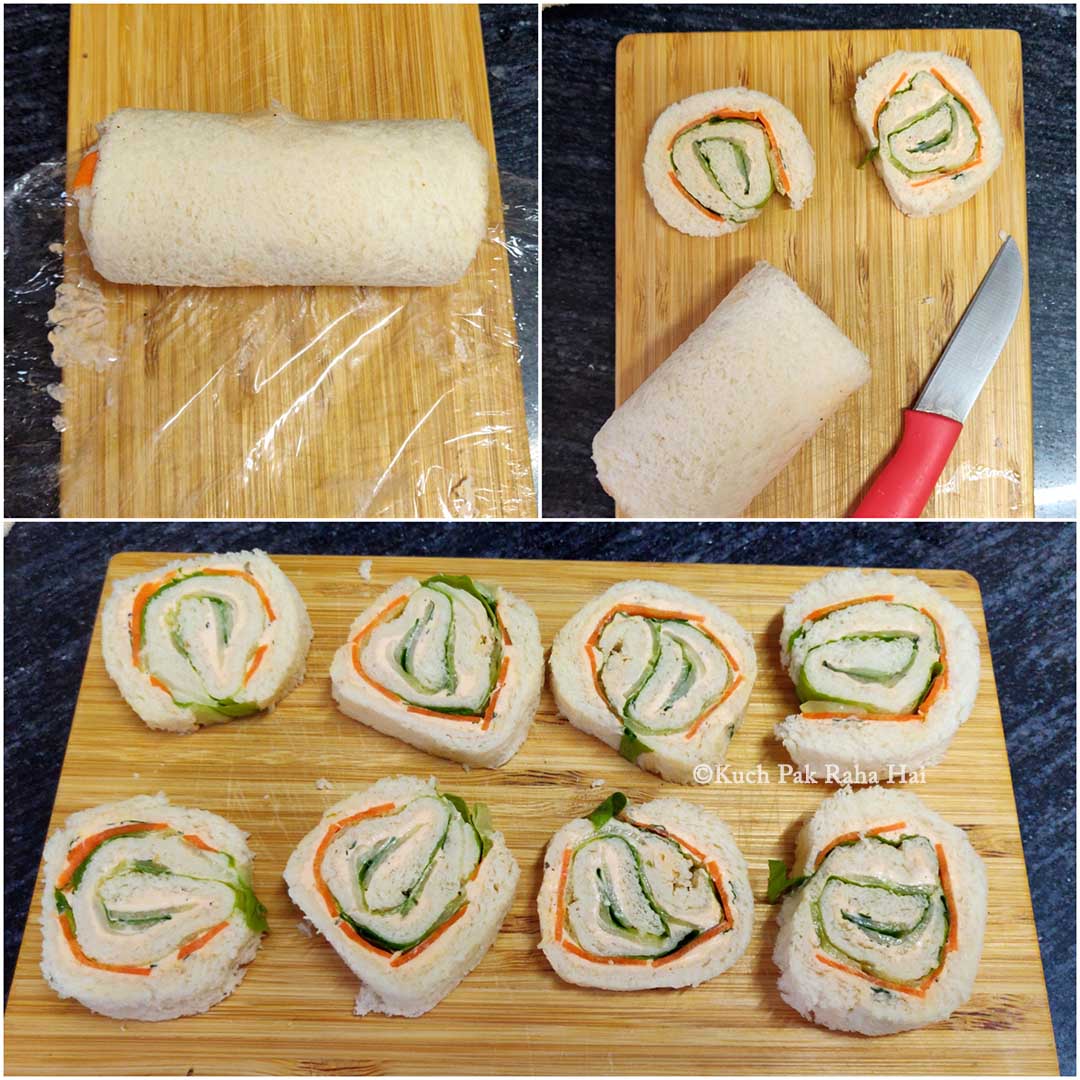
293 1011
895 285
291 402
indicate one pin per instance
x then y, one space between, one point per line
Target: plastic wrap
275 402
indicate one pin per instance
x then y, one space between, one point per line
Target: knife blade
904 485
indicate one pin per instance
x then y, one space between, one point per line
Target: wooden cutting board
293 1011
293 402
896 286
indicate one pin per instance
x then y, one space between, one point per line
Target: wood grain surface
292 402
896 286
293 1011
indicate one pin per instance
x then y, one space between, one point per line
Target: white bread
844 999
179 965
404 981
706 935
961 129
731 406
848 743
687 197
269 198
261 661
501 714
697 728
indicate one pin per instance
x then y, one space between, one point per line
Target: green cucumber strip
631 747
780 882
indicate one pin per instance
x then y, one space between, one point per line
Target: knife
904 485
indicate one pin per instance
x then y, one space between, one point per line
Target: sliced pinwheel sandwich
205 640
409 885
886 670
714 160
882 926
638 897
930 129
447 664
661 675
148 911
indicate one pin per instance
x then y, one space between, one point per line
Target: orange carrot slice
201 940
84 177
77 855
77 952
847 838
331 832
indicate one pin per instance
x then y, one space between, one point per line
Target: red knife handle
904 486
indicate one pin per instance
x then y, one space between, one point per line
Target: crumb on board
365 569
466 766
596 783
135 775
56 249
323 784
304 927
266 798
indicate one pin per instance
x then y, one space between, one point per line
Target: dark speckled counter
579 232
35 112
54 573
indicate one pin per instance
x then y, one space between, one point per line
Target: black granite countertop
35 86
579 235
53 573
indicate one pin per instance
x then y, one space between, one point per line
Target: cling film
270 401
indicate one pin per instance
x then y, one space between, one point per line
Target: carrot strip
815 615
846 838
155 681
959 97
350 932
84 176
142 598
560 898
686 195
256 660
416 950
77 952
320 851
489 712
199 842
201 940
949 172
79 852
716 705
951 944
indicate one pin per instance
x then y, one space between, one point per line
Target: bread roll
886 669
635 898
659 674
883 925
269 198
148 911
410 886
449 665
714 160
930 129
202 641
731 406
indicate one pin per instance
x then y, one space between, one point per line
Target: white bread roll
202 641
714 160
886 669
930 129
659 674
886 932
148 911
635 898
448 665
409 886
730 407
269 198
